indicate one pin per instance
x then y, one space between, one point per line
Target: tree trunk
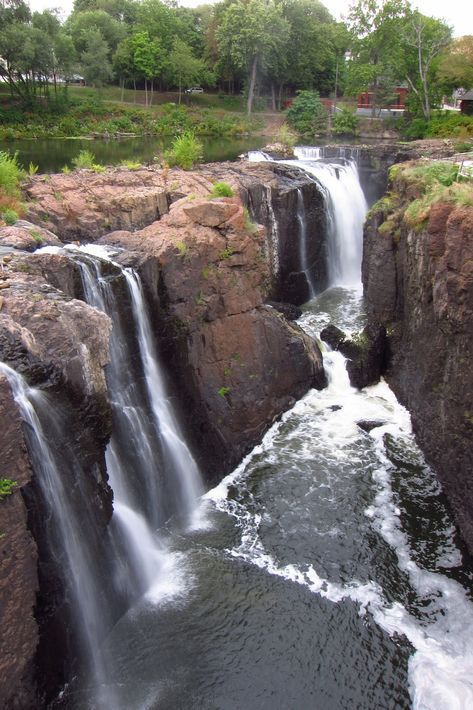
273 97
151 99
280 96
180 89
134 90
122 87
146 92
251 89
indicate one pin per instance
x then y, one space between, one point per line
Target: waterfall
303 246
346 209
305 152
152 471
66 523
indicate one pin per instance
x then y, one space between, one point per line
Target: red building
365 100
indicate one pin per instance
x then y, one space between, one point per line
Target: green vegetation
307 114
433 182
226 253
168 60
10 173
85 160
286 137
221 189
345 123
130 164
6 487
182 248
9 216
250 226
223 391
443 124
185 152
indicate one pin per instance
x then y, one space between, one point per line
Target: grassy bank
88 112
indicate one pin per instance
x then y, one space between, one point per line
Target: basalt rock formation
61 346
234 363
365 352
418 281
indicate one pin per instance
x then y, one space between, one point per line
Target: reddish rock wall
420 284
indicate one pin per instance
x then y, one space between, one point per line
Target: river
324 573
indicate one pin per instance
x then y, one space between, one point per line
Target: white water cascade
66 523
152 471
346 210
303 246
345 213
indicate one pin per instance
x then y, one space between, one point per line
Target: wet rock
60 345
365 352
333 336
420 285
236 363
288 310
26 236
369 424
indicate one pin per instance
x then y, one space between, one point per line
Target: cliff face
236 363
61 346
418 281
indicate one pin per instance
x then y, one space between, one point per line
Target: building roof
468 96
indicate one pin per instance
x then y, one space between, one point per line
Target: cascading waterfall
303 246
345 213
346 209
71 548
161 477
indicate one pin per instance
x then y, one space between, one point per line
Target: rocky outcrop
418 280
18 567
236 363
365 352
61 346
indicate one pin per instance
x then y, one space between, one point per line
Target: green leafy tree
423 40
185 69
96 66
376 28
249 35
79 24
307 114
456 64
149 58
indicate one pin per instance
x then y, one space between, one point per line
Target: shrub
307 114
345 122
286 137
9 216
85 159
221 189
10 173
32 169
130 164
185 151
6 487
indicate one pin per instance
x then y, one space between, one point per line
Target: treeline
261 47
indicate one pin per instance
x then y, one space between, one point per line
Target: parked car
195 90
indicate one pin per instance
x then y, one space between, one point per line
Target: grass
6 487
221 189
432 182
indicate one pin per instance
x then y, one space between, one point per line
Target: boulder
365 352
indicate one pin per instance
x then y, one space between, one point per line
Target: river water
329 575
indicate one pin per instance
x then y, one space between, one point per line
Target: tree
149 58
79 25
307 114
248 34
376 28
96 66
424 39
185 68
456 64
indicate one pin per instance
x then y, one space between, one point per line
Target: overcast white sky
458 13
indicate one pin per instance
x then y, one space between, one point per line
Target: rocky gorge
210 268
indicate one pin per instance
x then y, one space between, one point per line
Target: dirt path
273 122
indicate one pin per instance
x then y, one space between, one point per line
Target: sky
457 13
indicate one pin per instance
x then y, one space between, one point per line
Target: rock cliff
418 280
61 346
234 363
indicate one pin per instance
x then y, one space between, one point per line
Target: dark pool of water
53 153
